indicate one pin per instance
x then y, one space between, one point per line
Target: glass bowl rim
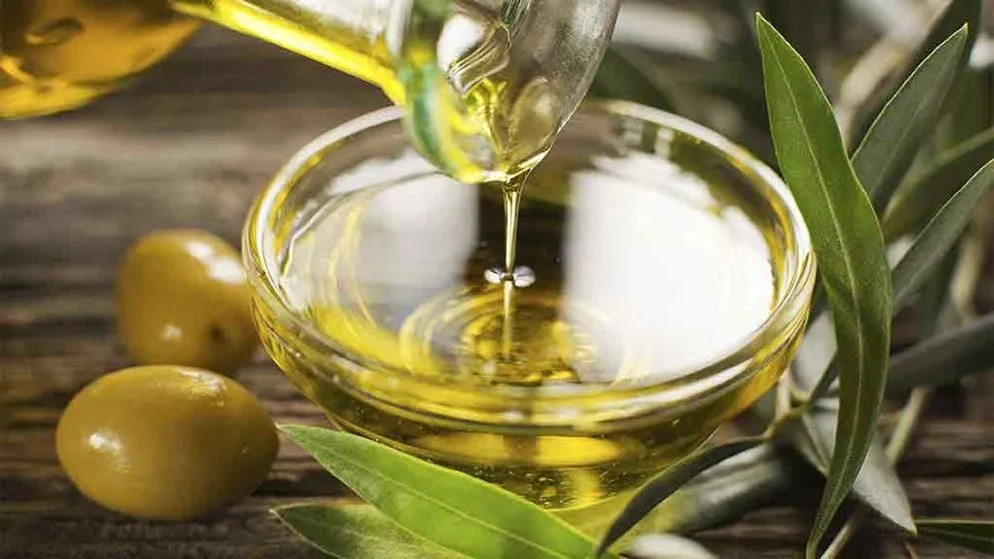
722 371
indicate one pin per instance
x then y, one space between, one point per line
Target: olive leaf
896 135
717 496
932 298
918 200
898 443
357 532
929 249
932 301
449 508
876 484
971 534
668 546
728 490
849 248
957 12
970 111
665 484
812 435
889 147
945 357
623 76
940 235
941 359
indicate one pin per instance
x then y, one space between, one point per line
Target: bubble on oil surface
523 276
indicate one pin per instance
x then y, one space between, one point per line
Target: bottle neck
349 35
486 84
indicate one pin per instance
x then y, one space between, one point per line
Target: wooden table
190 145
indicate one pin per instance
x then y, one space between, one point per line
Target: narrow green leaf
940 235
970 111
728 490
812 435
955 15
623 76
941 359
917 201
850 251
452 509
896 135
668 546
971 534
900 438
718 496
357 532
876 485
944 358
920 262
665 484
925 256
933 296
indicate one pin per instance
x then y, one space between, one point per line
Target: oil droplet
523 276
54 32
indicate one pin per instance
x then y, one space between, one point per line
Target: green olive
182 299
165 442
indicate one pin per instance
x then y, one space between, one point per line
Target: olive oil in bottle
485 84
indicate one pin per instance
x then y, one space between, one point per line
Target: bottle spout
489 84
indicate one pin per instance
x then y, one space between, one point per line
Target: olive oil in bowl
659 284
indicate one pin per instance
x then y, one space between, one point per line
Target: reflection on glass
640 268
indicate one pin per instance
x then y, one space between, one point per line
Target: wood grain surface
189 144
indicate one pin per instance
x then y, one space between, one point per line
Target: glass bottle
486 83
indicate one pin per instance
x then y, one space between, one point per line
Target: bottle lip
557 405
555 46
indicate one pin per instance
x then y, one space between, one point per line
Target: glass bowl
560 444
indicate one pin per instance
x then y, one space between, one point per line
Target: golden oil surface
616 280
628 269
